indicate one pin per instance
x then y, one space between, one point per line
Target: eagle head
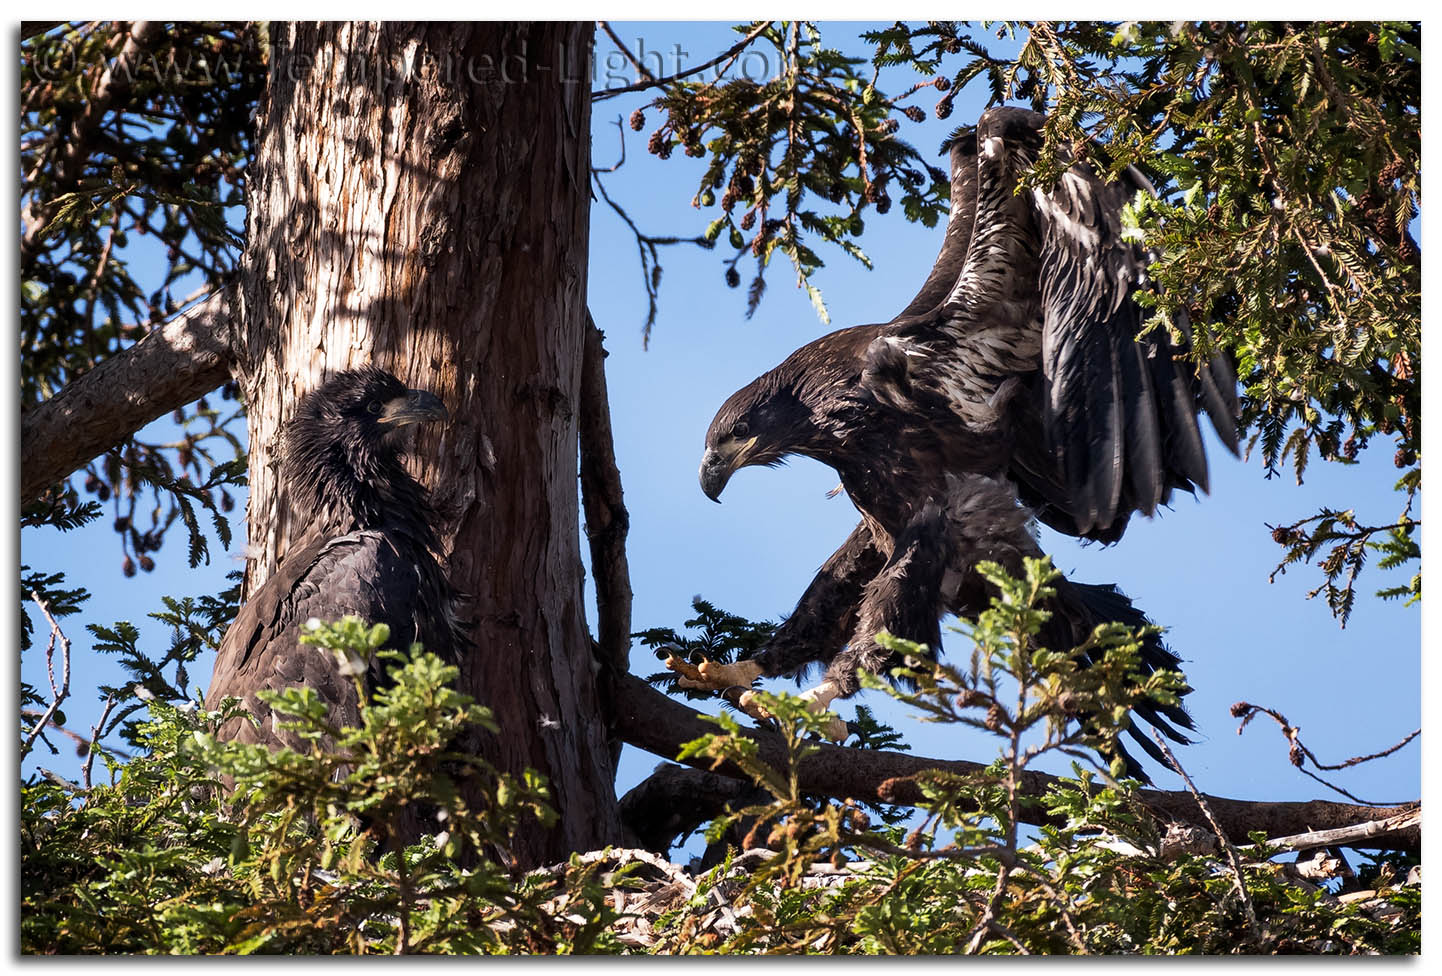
760 424
342 444
364 409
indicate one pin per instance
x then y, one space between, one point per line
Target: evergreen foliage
133 148
1286 156
1287 162
202 846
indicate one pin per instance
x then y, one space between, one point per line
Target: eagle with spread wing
1013 386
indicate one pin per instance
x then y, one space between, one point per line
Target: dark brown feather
371 552
1015 372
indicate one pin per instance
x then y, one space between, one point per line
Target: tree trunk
420 199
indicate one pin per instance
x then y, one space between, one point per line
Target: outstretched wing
957 350
1040 325
961 148
1120 415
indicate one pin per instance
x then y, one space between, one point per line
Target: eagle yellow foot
817 700
713 675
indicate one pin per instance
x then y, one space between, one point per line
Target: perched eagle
368 549
1011 387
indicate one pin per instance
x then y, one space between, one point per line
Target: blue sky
1200 569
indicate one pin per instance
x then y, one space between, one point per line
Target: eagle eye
373 407
740 430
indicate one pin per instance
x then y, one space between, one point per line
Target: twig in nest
1232 857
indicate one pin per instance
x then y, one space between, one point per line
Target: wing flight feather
1042 284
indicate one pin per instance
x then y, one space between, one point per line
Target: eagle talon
748 704
713 675
818 700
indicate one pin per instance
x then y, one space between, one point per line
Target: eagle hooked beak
717 466
715 472
416 407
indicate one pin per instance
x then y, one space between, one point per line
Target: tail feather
1102 603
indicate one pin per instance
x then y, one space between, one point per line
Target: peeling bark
419 200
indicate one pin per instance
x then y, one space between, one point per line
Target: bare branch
57 695
187 357
82 742
621 132
607 520
619 856
604 508
652 81
1349 836
641 69
649 720
74 146
96 732
650 258
1297 752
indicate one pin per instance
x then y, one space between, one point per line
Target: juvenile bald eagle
368 549
1014 375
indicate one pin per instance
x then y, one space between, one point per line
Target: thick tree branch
186 358
1352 836
649 720
675 800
